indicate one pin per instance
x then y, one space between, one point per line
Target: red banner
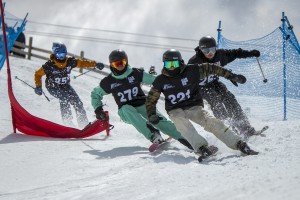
31 125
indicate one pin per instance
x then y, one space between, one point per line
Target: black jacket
222 57
126 91
182 90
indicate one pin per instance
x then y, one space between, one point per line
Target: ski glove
255 53
38 91
99 66
154 119
100 114
238 78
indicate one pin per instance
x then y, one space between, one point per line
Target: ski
261 131
155 147
257 133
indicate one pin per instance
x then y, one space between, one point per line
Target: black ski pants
67 97
224 105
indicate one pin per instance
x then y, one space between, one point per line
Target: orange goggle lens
119 64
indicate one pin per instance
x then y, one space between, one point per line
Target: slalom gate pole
84 73
7 62
265 80
31 87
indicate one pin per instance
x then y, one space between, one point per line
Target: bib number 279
128 94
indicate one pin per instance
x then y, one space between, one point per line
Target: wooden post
82 57
29 48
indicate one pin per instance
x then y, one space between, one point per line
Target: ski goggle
209 50
119 64
173 63
60 56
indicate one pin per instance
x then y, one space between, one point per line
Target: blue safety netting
279 97
14 26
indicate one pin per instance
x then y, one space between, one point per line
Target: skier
222 102
124 83
57 71
152 70
183 102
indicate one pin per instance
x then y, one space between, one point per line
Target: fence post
219 34
29 48
284 68
81 56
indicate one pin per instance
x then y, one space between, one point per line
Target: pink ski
154 147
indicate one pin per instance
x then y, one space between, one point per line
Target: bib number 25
62 80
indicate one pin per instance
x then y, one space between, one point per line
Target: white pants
181 119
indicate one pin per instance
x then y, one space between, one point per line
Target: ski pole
31 87
84 73
265 80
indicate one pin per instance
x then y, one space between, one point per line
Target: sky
188 19
120 166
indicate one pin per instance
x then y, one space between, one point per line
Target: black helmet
172 54
117 54
207 42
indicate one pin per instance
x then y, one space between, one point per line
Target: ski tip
152 148
251 153
266 127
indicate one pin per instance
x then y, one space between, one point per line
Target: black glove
237 78
154 119
99 66
100 114
255 53
38 91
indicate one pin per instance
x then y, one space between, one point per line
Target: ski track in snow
120 166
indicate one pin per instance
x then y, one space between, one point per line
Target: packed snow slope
120 166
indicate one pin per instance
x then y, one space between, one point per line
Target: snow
120 166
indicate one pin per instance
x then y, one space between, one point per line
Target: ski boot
244 148
156 138
205 152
